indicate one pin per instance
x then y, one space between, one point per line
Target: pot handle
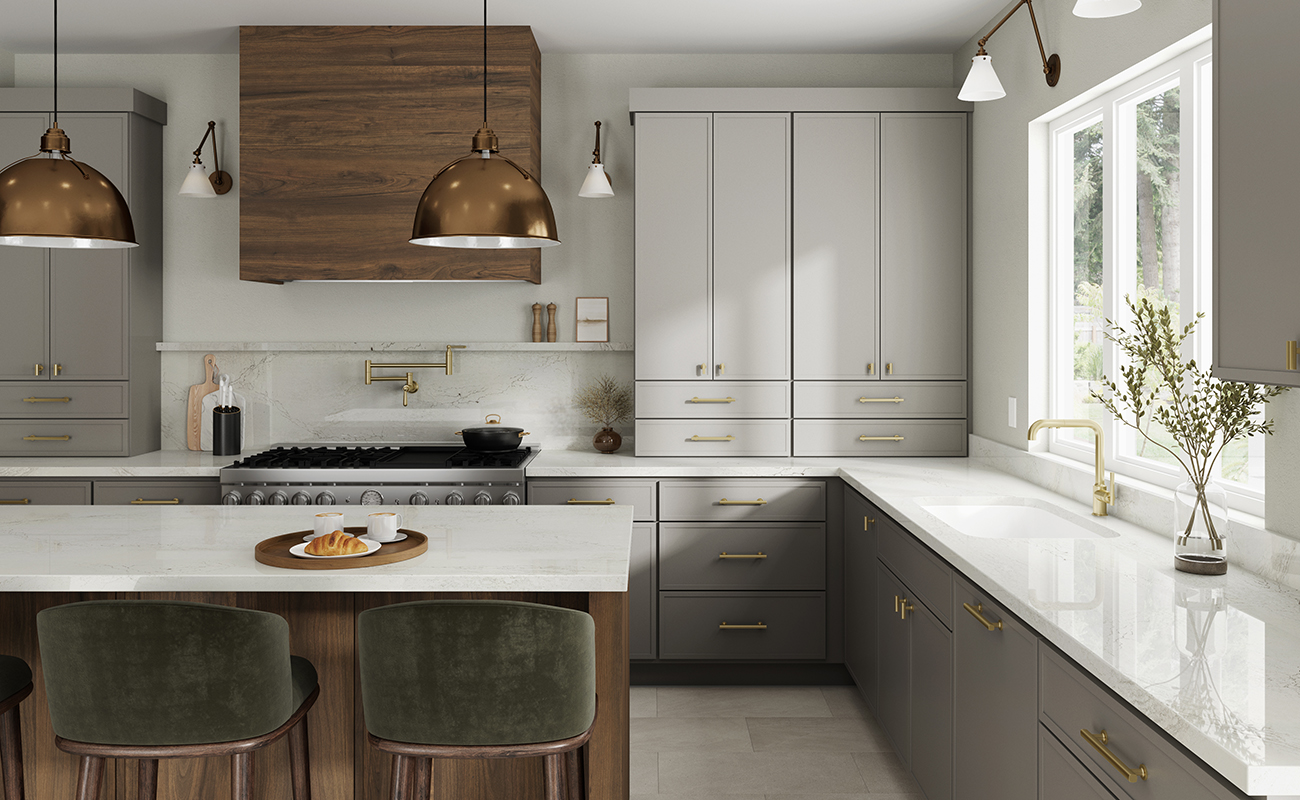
458 433
522 434
488 419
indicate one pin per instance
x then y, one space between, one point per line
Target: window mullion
1111 244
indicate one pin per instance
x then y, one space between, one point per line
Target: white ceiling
561 26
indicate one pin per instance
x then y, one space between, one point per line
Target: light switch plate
1011 412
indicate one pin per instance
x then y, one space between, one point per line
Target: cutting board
194 406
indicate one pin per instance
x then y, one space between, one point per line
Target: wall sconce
597 183
198 183
982 82
1096 9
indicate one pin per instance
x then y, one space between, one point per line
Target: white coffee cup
327 522
382 526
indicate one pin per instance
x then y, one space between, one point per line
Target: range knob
254 499
370 497
454 499
482 499
419 499
510 499
325 499
301 499
278 498
230 498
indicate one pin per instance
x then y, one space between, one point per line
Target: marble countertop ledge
210 548
158 464
392 347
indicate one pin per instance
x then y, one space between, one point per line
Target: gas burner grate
470 458
331 457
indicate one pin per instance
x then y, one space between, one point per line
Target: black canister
227 423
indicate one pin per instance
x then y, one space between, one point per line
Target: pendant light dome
484 201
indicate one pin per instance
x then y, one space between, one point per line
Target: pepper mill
550 322
537 322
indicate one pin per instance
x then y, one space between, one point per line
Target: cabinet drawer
871 399
638 494
713 438
188 493
1072 702
62 438
44 493
731 556
689 625
1061 776
924 573
910 437
738 501
77 399
715 400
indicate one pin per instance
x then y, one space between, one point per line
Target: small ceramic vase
607 440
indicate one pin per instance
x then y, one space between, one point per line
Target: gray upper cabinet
24 301
923 246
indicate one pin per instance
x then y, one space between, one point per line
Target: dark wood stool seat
11 743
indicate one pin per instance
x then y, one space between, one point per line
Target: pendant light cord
485 114
56 63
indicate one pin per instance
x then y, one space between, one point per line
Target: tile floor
761 743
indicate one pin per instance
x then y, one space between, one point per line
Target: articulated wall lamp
198 183
982 82
597 183
1096 9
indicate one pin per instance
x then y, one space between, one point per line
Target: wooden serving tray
274 552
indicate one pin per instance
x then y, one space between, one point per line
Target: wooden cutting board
194 406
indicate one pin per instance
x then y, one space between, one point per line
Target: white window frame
1115 110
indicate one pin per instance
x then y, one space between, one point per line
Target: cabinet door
642 591
24 299
996 679
932 741
673 246
923 246
88 288
860 593
836 246
1060 774
751 247
894 676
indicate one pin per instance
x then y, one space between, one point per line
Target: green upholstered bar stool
155 679
478 679
15 684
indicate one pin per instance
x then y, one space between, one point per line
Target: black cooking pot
493 437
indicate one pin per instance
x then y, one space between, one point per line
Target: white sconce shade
597 183
981 82
197 184
1096 9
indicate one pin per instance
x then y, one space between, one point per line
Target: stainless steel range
341 474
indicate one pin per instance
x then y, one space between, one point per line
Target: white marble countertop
158 464
210 548
590 464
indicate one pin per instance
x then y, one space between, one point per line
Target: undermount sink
1012 518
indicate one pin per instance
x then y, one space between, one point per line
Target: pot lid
491 426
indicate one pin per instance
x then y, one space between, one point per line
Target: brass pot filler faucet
1101 495
409 387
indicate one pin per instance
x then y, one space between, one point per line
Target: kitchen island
50 555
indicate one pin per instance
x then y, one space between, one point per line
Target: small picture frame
592 319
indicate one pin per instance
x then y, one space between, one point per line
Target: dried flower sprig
605 401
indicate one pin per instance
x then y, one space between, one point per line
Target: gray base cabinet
198 492
44 493
1061 776
894 690
860 602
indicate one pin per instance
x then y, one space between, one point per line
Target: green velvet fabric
14 675
142 672
477 672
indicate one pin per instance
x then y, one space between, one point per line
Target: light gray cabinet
24 298
860 604
24 492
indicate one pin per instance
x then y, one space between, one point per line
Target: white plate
299 550
400 537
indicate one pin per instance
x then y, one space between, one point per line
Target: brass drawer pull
713 400
725 502
1099 741
21 502
46 438
759 554
894 438
880 399
47 399
608 501
976 612
140 501
712 439
756 627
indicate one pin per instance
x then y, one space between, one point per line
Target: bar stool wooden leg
553 766
401 777
241 776
90 777
300 761
573 779
423 778
11 753
148 779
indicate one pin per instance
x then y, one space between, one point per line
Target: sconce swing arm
221 181
1051 64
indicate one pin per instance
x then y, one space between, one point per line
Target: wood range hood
343 127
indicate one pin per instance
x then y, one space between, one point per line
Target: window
1130 203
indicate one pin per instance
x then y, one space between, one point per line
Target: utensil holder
226 424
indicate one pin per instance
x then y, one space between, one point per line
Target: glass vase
1201 528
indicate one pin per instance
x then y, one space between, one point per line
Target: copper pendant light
52 200
484 201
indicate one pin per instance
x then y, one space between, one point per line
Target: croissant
336 543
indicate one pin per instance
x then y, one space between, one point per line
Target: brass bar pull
24 501
722 369
889 368
904 608
47 399
140 501
1292 352
755 627
880 399
46 438
871 368
701 367
58 369
894 438
867 522
976 612
39 369
725 502
759 554
1099 741
896 599
608 501
713 439
713 400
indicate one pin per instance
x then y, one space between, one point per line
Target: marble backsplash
294 396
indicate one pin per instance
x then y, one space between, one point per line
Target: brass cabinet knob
889 368
871 368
